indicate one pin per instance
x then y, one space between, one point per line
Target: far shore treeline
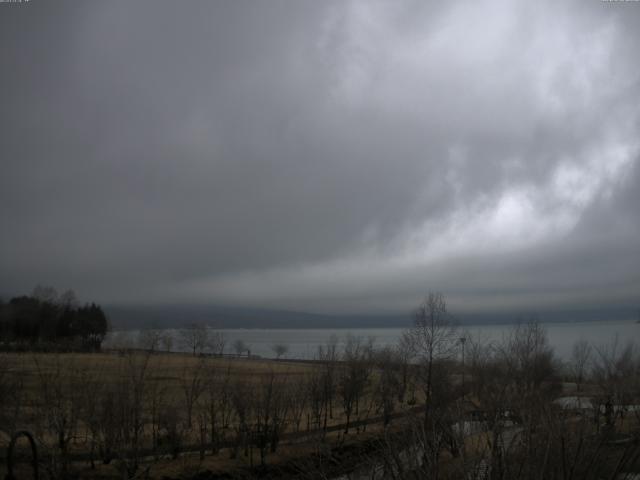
46 320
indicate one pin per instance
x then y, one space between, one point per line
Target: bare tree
217 404
103 415
317 399
388 384
216 342
615 369
192 384
195 338
68 299
131 396
121 340
328 356
156 404
59 405
299 397
528 365
528 354
280 349
242 399
45 293
432 339
150 339
170 430
11 394
353 376
579 362
240 347
270 412
402 354
166 340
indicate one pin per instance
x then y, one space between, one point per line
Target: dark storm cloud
320 155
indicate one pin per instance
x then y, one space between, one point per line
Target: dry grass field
135 414
178 413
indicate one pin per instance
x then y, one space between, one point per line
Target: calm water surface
304 343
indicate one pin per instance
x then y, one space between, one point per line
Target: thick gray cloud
326 156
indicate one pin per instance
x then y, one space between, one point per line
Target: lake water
303 343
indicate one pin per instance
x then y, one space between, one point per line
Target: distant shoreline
371 327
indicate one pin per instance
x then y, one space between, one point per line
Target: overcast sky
322 156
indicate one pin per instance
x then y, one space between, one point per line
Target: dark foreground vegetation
46 321
440 405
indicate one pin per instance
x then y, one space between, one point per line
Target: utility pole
463 340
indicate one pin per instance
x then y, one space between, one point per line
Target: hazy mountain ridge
176 316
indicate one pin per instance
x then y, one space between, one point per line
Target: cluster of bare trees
505 421
492 416
196 338
496 416
612 370
123 409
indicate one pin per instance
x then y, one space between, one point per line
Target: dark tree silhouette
44 318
